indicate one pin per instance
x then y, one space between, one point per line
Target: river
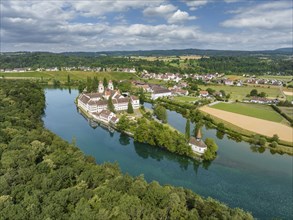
254 180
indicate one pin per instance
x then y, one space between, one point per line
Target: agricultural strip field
74 75
260 126
290 93
253 110
287 110
240 92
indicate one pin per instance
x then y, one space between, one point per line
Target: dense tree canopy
44 177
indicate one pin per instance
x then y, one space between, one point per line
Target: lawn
254 110
74 75
240 92
185 98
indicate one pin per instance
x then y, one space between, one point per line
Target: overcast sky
105 25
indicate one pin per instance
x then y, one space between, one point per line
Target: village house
160 92
228 82
203 94
261 100
178 91
197 144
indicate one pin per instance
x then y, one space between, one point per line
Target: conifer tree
130 108
110 105
187 130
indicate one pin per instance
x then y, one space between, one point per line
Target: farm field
256 125
287 110
185 98
253 110
240 92
74 75
285 78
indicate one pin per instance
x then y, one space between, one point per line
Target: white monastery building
97 102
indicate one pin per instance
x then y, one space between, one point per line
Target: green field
74 75
240 92
254 110
185 98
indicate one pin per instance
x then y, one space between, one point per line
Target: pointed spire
198 136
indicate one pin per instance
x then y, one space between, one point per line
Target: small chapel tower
110 85
101 87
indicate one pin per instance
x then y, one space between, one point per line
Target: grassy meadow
240 92
253 110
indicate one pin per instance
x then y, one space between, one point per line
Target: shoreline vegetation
147 130
45 177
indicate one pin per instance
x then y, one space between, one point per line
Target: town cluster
97 104
80 68
176 77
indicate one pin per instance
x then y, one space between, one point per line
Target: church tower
198 136
110 85
101 87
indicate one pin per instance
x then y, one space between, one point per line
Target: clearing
260 126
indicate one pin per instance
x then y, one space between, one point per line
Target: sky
111 25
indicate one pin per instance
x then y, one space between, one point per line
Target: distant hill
181 52
286 50
174 52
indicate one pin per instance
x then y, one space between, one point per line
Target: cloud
56 26
169 12
273 15
98 8
232 1
162 10
194 4
180 16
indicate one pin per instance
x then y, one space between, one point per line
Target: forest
45 177
223 64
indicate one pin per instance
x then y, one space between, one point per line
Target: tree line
222 64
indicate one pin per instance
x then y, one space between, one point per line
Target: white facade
197 149
158 95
